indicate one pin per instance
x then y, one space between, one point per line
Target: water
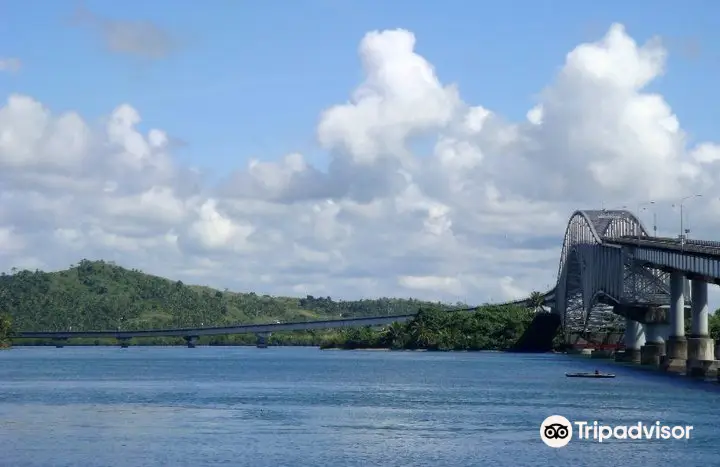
95 407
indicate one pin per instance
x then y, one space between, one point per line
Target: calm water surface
293 407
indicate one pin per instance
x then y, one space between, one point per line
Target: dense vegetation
488 328
101 295
5 331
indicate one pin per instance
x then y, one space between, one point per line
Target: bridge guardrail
700 247
670 240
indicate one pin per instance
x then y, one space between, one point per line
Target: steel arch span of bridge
609 269
595 274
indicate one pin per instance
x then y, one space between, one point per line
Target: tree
5 330
535 302
714 325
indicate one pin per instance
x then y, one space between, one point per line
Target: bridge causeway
191 335
611 274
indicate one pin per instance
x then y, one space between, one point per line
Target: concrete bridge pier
124 342
676 347
654 349
191 341
700 347
262 338
634 340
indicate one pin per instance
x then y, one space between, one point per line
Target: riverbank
369 349
110 343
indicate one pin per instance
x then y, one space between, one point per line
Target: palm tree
535 301
393 335
420 334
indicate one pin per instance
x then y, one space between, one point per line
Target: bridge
611 273
191 335
611 268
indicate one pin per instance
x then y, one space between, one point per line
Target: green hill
96 295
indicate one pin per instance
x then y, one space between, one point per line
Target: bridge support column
676 349
654 348
191 341
124 342
262 338
701 348
634 340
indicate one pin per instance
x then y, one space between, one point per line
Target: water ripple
91 407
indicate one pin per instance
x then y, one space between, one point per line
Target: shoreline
318 346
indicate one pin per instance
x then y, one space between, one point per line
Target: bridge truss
595 275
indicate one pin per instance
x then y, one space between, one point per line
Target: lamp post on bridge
682 232
643 207
654 223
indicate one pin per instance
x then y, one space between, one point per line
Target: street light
654 223
682 201
642 207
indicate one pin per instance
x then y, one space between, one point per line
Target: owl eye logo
556 431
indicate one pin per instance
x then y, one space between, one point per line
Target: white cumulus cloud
479 215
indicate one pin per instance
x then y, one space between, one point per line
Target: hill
101 295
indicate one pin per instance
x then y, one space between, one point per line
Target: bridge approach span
220 330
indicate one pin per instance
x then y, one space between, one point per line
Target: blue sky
251 78
480 215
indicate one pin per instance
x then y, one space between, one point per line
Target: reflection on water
304 407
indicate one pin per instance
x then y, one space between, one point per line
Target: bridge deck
219 330
695 247
239 329
696 259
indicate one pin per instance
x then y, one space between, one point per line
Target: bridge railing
704 247
709 243
670 240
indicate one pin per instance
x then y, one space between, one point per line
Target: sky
350 149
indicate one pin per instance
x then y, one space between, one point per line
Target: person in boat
597 372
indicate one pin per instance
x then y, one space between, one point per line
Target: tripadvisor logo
556 431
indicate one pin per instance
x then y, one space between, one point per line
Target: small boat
589 375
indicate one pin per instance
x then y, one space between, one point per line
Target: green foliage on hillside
488 328
95 295
5 331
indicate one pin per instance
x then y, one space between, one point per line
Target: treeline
99 295
487 328
5 331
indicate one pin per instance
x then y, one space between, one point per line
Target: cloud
11 65
478 215
143 39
